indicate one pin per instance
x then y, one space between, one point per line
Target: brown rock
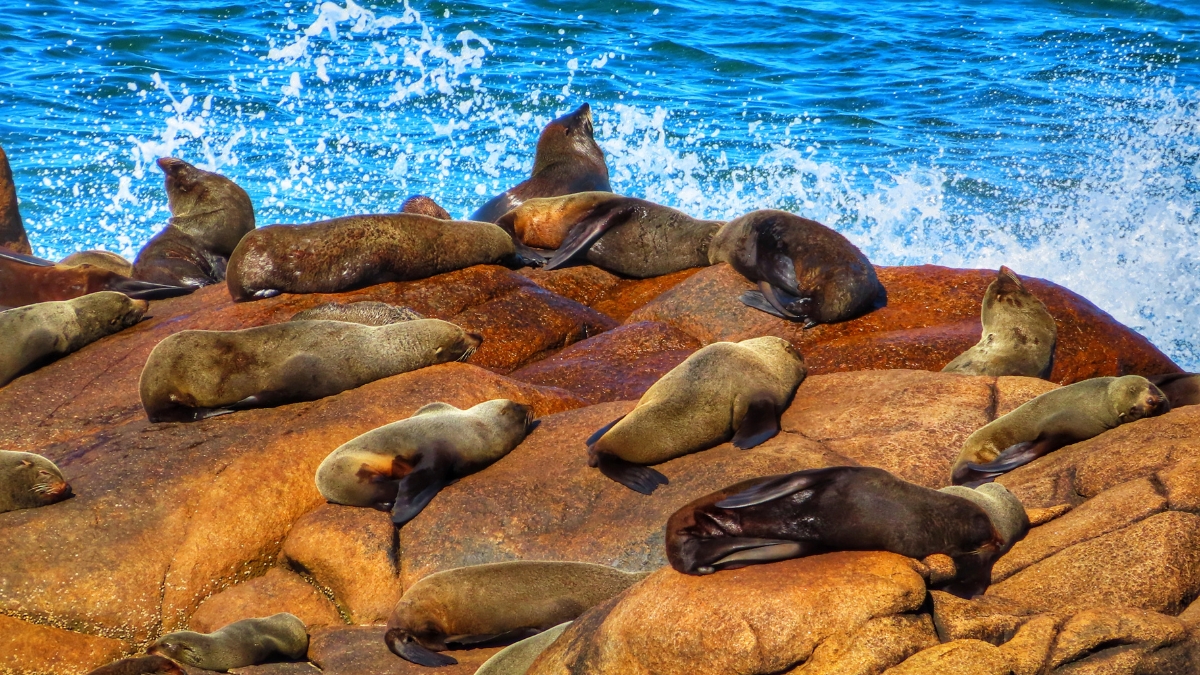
759 619
991 619
879 644
362 651
603 291
1029 649
1091 629
30 649
279 590
352 552
1182 485
278 669
619 365
1013 392
960 657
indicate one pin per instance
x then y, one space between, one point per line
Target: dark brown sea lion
495 602
176 258
1180 388
1018 333
28 481
242 643
842 508
140 665
102 259
366 312
805 271
403 465
12 230
344 253
424 206
25 280
1055 419
567 160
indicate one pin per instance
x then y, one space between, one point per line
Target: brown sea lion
344 253
725 391
102 259
403 465
366 312
516 658
495 602
805 271
28 481
567 160
25 280
1057 418
843 508
242 643
1180 388
196 374
37 334
12 230
1018 333
424 206
140 665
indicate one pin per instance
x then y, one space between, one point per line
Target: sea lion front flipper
419 488
145 290
756 300
9 254
784 550
777 488
1017 455
601 431
758 424
507 636
585 233
406 647
636 477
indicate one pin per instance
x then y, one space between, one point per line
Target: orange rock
959 657
362 651
31 649
604 291
279 590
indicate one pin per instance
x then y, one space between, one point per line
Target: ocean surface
1061 138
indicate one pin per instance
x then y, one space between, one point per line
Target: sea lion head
1133 397
512 418
108 311
39 481
568 136
414 630
183 646
1002 507
140 665
447 341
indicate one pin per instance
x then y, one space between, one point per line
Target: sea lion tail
406 647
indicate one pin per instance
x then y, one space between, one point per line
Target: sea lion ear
777 488
26 462
758 424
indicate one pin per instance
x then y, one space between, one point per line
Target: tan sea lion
1018 333
12 230
140 665
344 253
805 271
403 465
425 206
366 312
196 374
725 391
102 259
26 280
1057 418
1180 388
495 602
242 643
516 658
844 508
28 481
567 160
37 334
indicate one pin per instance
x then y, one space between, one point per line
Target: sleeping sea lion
403 465
344 253
843 508
28 481
196 374
366 312
26 280
425 206
516 658
1180 388
567 160
495 602
1018 333
805 271
102 259
140 665
725 391
12 230
37 334
242 643
1057 418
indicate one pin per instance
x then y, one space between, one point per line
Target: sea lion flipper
484 638
416 490
407 648
10 254
1014 456
777 488
601 431
758 424
585 233
145 290
636 477
756 300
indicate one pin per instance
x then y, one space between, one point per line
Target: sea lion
140 665
366 312
805 271
403 465
624 235
12 230
28 481
425 206
1018 333
242 643
725 391
102 259
567 160
26 280
516 658
495 602
1057 418
37 334
344 253
176 258
196 374
842 508
1180 388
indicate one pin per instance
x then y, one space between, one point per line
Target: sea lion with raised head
28 481
1055 419
516 658
725 391
37 334
140 665
242 643
1018 333
567 160
425 206
336 255
805 271
843 508
26 280
196 374
366 312
403 465
12 230
102 259
1180 388
495 602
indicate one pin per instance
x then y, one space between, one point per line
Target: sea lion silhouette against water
1018 333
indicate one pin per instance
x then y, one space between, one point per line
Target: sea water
1060 138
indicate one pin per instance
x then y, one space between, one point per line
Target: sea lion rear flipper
784 550
407 648
636 477
756 300
1017 455
777 488
145 290
10 254
601 431
507 636
585 233
417 489
759 424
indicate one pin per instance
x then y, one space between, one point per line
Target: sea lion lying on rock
102 259
1180 388
242 643
140 665
27 280
1018 333
366 312
28 481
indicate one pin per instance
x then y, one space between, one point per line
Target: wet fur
1019 334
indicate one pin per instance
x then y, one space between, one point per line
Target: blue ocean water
1061 138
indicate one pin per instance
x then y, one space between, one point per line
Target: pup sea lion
25 280
494 602
1180 388
516 658
344 253
403 465
841 508
12 230
1059 417
195 374
366 312
725 391
805 271
424 206
102 259
140 665
567 160
28 481
37 334
1018 333
242 643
